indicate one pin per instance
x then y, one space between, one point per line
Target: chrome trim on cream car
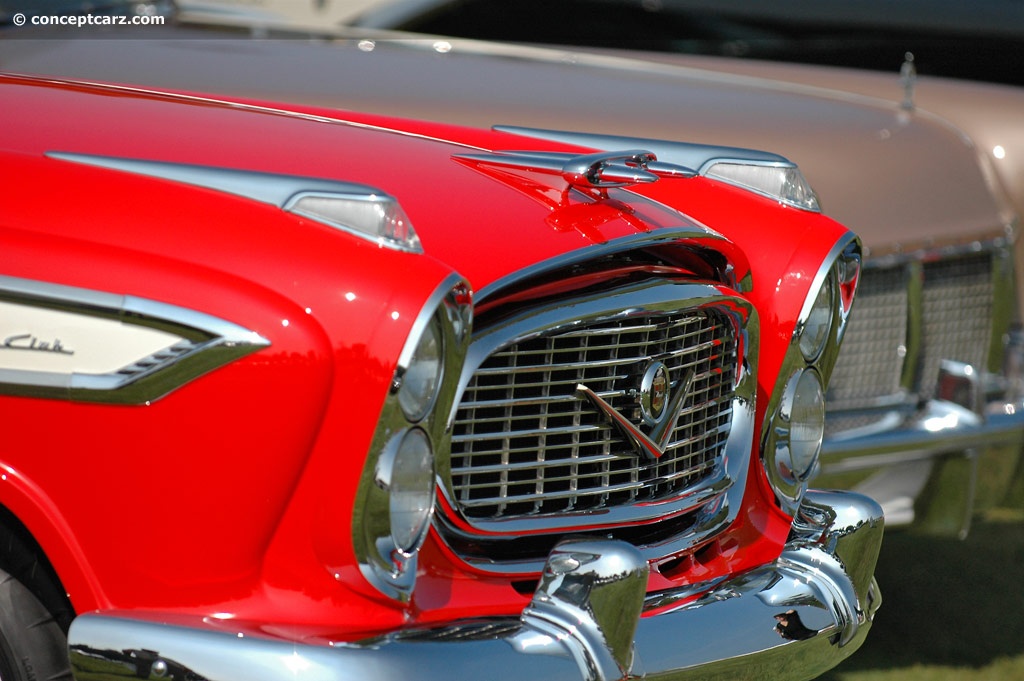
930 385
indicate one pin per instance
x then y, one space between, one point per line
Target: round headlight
803 406
816 328
411 490
423 375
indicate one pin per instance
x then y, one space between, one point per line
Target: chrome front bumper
590 618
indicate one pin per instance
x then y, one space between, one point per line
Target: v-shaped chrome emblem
652 445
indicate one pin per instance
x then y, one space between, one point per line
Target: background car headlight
818 324
422 377
411 485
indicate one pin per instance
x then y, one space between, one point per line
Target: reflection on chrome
589 619
791 627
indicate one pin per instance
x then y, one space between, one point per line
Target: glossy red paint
234 494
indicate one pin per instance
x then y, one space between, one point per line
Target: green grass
951 610
101 670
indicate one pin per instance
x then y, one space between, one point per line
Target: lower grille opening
536 547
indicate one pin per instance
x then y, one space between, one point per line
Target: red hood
415 163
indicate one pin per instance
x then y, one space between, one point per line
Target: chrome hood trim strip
688 155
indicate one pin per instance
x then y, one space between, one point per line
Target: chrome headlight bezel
797 430
815 324
396 495
812 354
418 378
406 471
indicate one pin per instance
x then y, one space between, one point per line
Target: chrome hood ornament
603 169
908 78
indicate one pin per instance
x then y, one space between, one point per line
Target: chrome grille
957 315
525 446
874 347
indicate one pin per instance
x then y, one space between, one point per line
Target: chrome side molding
62 342
360 210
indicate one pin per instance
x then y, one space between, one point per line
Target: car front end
385 398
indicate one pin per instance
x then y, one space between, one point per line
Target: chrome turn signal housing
782 182
377 217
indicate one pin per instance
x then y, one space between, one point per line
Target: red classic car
290 392
926 405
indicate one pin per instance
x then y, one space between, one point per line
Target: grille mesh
956 316
524 445
871 359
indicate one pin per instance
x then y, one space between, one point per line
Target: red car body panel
234 493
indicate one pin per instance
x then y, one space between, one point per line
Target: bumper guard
589 619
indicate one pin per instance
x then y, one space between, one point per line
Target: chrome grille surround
525 444
529 457
912 312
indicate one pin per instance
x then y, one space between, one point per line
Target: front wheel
32 644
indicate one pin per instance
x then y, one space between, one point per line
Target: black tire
33 646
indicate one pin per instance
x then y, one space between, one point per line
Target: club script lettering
26 341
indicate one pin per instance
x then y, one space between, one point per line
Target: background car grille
525 446
874 346
912 313
957 315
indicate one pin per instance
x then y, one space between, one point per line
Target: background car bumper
933 471
793 618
